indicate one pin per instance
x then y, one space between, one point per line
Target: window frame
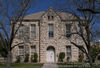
68 30
69 52
32 37
20 50
51 31
31 50
80 52
19 33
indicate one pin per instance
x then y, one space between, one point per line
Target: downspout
39 40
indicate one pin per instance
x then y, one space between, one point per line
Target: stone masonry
42 41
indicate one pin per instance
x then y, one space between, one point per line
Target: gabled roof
38 15
34 16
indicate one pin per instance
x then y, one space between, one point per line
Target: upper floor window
80 51
33 31
51 30
21 31
21 50
80 28
68 30
33 50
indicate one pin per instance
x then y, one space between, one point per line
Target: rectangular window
51 30
80 51
33 50
21 31
33 31
21 50
68 30
68 51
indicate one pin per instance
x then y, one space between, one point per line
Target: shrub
81 57
35 57
18 59
32 58
61 56
26 58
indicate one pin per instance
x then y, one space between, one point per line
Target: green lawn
62 65
26 65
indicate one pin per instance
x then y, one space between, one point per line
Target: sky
40 5
43 5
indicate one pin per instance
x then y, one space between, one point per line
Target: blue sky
40 5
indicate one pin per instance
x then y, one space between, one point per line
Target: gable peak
50 9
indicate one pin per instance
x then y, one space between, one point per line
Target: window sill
51 37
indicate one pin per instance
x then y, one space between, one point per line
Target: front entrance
50 54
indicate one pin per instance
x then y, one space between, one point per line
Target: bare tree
96 7
85 25
84 13
11 12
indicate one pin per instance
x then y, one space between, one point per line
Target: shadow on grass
78 65
24 65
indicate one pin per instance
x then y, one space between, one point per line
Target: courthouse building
47 33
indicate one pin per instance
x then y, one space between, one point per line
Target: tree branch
16 45
78 46
89 10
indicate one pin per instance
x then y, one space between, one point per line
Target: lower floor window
68 52
33 50
21 50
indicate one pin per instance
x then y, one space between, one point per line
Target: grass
25 65
62 65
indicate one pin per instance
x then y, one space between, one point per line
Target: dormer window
50 17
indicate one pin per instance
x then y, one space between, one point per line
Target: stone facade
42 42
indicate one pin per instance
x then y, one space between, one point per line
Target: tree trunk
9 59
90 60
91 64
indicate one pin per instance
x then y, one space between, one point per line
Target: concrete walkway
50 65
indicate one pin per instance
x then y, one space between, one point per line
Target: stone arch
50 47
50 54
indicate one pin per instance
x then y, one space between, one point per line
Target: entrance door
50 55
